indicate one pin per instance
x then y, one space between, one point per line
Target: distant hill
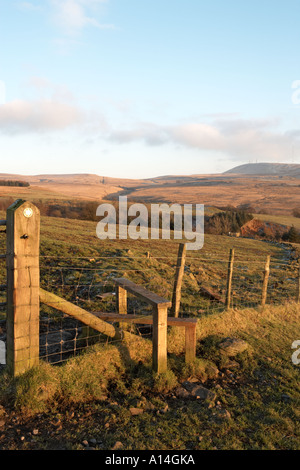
267 169
267 188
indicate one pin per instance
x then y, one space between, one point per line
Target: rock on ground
198 391
233 346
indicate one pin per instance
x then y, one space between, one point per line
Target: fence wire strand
88 282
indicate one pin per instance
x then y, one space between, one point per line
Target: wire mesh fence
89 283
62 336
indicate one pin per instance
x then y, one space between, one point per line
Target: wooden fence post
190 343
229 278
159 339
265 282
23 279
121 298
178 280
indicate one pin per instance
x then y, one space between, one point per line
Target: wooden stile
189 324
24 296
160 314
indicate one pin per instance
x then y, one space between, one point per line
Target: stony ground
92 426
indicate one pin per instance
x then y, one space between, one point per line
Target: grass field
89 401
289 221
78 265
73 258
91 396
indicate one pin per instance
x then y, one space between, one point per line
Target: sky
138 89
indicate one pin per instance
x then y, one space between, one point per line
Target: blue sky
131 88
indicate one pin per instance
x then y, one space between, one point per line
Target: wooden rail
89 319
142 293
189 324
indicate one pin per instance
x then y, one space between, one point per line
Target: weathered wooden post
190 343
121 298
23 279
229 278
178 280
159 338
265 282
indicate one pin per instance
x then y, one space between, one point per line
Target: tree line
225 222
14 183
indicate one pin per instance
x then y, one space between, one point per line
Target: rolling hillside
267 169
266 188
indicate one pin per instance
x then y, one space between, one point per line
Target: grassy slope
74 260
90 395
280 219
69 243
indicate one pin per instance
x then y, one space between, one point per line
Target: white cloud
70 18
238 139
51 107
21 116
73 15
